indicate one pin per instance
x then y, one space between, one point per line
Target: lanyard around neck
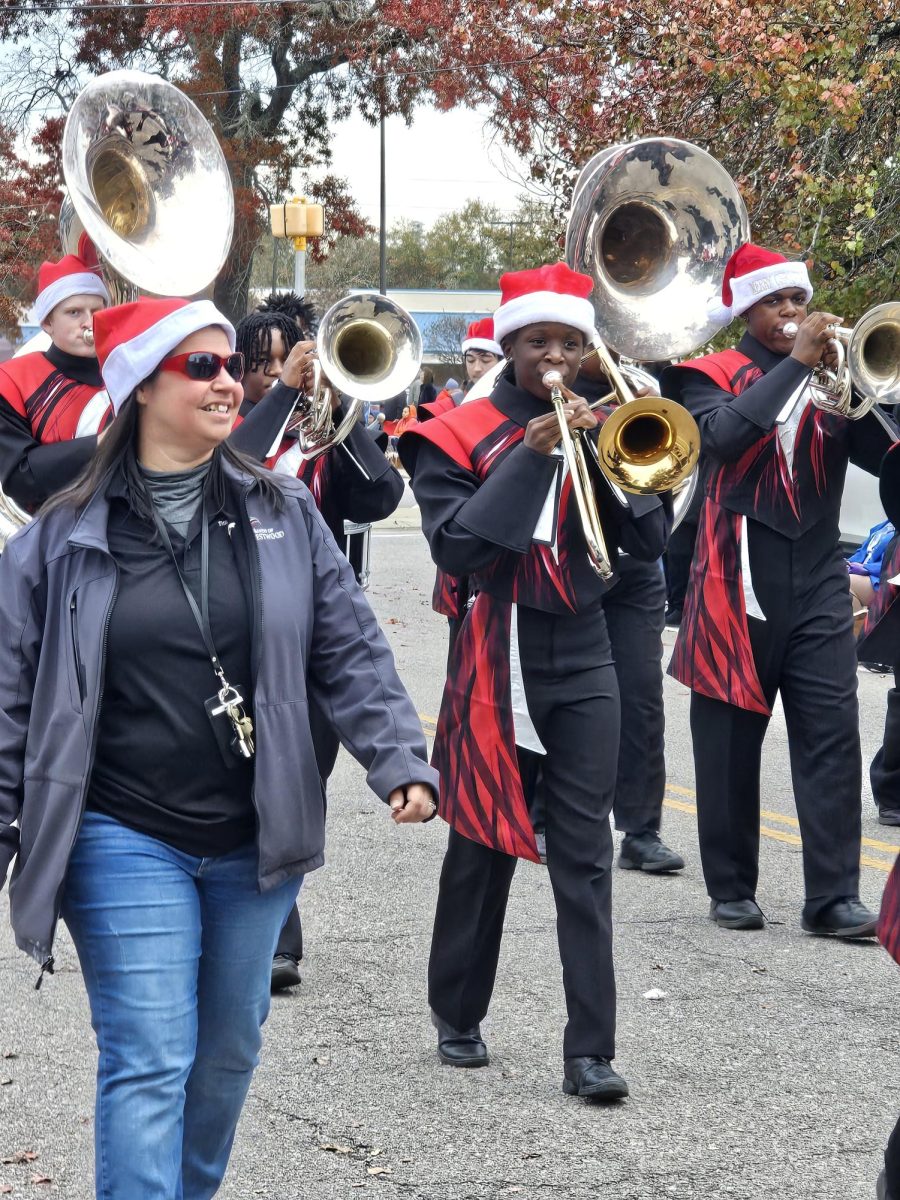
201 613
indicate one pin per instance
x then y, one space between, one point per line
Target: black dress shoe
460 1047
737 914
848 918
647 852
673 617
889 816
593 1079
540 839
285 972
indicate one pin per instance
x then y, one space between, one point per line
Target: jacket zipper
47 964
256 647
73 622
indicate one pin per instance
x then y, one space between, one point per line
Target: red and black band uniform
350 482
530 704
52 406
768 611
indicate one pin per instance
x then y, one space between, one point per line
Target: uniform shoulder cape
58 408
460 430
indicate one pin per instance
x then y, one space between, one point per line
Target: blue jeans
176 953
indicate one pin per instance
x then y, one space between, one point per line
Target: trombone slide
582 484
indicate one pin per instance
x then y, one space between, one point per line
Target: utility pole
511 225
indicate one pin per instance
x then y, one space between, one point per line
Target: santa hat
480 336
549 293
58 281
753 272
132 339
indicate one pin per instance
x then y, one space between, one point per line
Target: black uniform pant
884 772
892 1162
574 707
326 743
805 650
635 616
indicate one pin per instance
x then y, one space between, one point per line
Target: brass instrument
868 367
654 223
368 348
148 184
582 487
149 195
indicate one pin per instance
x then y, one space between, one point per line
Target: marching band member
176 858
768 608
352 482
531 702
635 608
52 403
481 351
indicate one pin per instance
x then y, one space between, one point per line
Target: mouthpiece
552 379
790 329
88 337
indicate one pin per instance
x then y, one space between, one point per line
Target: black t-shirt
158 767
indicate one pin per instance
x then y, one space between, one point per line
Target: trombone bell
648 445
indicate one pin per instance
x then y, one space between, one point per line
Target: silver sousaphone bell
148 184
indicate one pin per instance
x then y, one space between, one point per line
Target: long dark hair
117 453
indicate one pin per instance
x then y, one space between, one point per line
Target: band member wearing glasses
148 616
768 609
351 482
531 702
52 402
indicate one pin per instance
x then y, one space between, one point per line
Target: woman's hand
298 370
412 804
811 344
542 433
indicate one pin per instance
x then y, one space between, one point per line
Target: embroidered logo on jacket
263 534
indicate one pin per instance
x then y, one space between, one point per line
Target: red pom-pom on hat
553 292
131 340
480 336
59 281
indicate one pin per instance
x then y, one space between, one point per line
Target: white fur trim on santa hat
86 284
131 362
559 307
479 343
747 289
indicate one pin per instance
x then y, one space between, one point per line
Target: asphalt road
769 1068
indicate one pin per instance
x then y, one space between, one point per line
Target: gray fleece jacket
314 636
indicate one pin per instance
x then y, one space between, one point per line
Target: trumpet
868 364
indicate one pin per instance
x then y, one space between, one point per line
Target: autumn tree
799 100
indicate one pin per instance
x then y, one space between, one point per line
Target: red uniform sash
57 408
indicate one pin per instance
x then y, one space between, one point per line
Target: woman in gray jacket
164 625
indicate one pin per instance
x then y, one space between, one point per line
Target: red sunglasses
203 364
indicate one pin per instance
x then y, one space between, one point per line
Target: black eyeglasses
203 364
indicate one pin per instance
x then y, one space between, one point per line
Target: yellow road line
782 819
777 835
